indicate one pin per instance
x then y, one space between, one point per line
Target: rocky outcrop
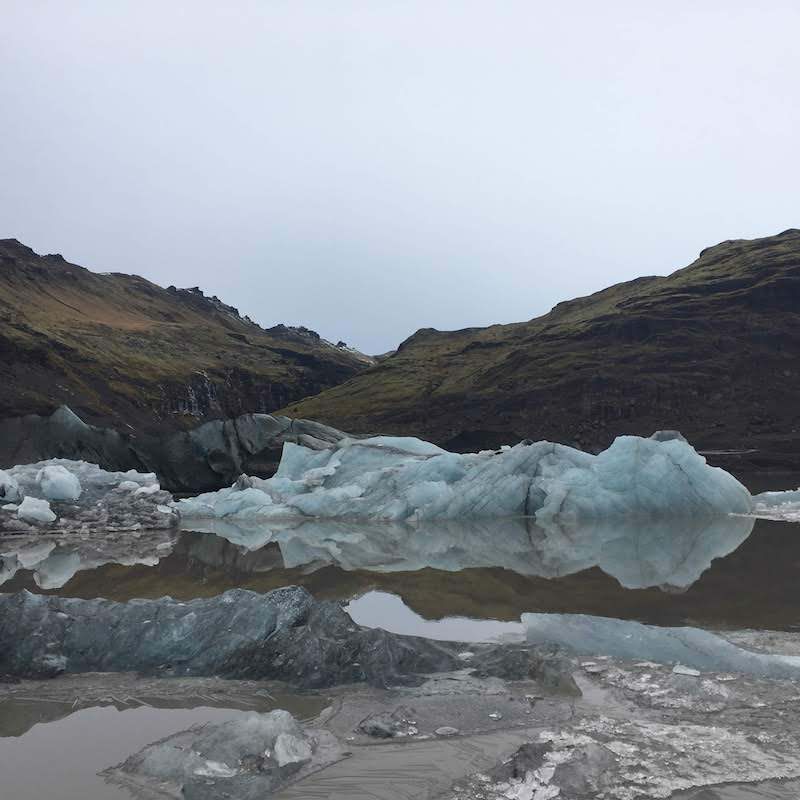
283 635
209 456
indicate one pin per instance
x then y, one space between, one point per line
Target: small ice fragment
33 510
216 769
466 655
290 749
679 669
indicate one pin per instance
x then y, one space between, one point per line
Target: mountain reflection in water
666 572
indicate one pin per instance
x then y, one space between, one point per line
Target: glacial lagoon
466 582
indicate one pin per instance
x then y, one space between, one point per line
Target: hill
124 352
711 350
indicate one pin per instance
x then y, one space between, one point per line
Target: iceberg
35 511
283 635
402 479
58 483
632 641
248 757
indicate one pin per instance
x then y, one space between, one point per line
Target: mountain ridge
124 351
710 349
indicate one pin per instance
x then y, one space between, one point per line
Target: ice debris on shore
62 496
603 757
250 756
406 479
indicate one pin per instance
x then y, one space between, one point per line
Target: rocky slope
711 349
123 352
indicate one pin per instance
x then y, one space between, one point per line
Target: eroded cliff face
125 353
711 349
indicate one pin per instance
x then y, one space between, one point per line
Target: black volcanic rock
711 350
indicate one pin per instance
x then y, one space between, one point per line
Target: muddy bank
635 730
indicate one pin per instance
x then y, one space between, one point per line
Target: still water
450 581
463 582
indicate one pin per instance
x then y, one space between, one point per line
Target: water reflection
665 572
667 553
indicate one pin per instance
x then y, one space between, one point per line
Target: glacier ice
782 506
9 488
401 479
248 757
406 479
636 757
283 635
35 511
58 483
691 647
82 497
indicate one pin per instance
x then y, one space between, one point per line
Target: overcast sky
369 168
